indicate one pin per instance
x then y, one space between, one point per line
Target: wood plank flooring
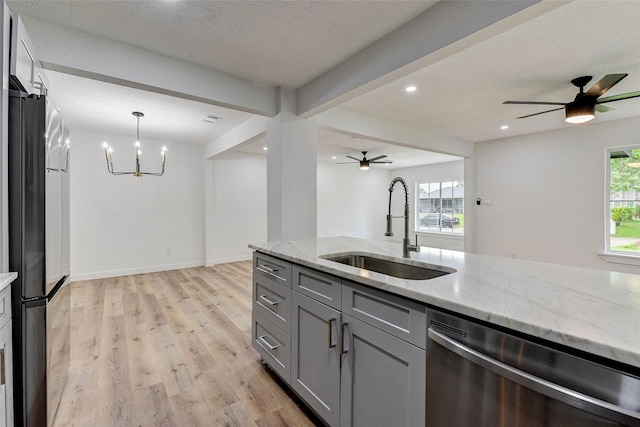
170 349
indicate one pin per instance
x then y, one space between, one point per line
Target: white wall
238 209
548 194
123 224
352 202
429 173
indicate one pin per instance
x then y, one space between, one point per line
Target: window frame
416 225
609 254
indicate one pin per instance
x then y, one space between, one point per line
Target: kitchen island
365 348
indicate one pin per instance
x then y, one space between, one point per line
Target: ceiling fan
585 104
364 162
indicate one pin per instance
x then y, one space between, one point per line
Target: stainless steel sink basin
400 269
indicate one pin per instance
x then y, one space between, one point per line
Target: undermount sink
399 269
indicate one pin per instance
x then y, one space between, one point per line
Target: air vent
211 119
448 328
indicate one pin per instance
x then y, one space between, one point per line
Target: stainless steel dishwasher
481 377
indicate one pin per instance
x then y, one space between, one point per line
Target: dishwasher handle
555 391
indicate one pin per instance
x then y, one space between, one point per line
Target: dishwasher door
478 376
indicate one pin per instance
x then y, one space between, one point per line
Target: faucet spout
406 246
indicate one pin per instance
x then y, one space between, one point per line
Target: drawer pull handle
264 341
270 271
269 300
330 335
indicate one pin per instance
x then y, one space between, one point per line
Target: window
624 201
440 207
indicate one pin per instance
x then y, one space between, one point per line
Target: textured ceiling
99 107
462 95
276 43
289 43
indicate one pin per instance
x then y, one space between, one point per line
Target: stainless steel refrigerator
39 252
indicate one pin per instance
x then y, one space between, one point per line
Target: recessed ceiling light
411 88
504 127
209 118
333 157
265 148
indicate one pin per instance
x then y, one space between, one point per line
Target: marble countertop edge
6 279
467 293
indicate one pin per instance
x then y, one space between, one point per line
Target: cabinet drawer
273 302
400 317
272 268
319 286
273 345
5 305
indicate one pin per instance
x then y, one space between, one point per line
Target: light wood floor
170 349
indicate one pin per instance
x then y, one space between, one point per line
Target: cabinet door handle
268 300
342 334
264 341
2 378
330 334
270 271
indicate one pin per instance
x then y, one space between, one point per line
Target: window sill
440 234
620 258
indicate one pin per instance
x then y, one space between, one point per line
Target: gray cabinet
398 316
320 286
354 354
273 345
382 378
271 312
315 356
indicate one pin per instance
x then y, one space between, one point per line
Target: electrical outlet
167 251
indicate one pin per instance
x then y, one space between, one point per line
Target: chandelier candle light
108 151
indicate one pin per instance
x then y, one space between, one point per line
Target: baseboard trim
224 260
130 271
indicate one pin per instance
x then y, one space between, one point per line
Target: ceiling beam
444 29
245 133
350 122
86 55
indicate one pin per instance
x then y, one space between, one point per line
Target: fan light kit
584 106
366 163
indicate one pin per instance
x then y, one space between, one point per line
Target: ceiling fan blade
377 158
351 157
542 112
618 97
605 83
344 163
534 103
603 108
385 162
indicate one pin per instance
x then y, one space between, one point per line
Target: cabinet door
383 378
315 358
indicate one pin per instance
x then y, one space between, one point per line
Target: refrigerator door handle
43 299
57 287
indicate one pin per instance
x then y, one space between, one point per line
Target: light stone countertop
6 279
596 311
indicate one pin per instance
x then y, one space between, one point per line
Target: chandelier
108 151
